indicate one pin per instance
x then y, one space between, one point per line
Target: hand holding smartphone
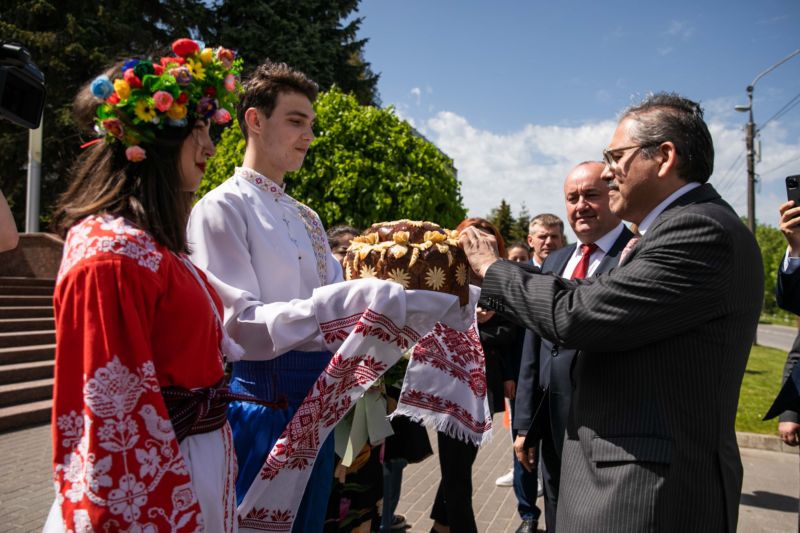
789 224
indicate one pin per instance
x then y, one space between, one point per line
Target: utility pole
752 131
751 164
34 179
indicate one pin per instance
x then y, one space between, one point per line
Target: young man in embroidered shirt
262 249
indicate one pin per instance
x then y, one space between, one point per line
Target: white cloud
529 165
416 92
680 29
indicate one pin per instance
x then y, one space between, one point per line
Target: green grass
762 381
782 319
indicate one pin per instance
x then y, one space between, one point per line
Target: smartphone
793 189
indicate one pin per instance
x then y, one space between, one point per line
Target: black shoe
527 526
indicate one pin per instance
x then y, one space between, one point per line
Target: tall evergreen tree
519 231
71 41
503 220
310 35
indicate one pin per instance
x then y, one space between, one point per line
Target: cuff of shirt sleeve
790 264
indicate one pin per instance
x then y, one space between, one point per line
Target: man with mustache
662 340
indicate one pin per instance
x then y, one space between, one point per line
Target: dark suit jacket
664 341
787 294
787 403
787 290
499 340
559 391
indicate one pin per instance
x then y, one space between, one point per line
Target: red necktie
582 268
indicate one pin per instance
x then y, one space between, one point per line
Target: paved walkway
774 336
768 504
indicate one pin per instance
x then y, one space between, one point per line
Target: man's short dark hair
270 79
337 231
663 117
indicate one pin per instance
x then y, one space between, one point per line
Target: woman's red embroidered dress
130 318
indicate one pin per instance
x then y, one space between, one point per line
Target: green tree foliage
519 231
503 220
773 248
365 166
71 42
307 34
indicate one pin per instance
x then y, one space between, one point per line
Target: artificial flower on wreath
145 95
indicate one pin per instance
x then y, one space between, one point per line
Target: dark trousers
453 504
551 473
526 486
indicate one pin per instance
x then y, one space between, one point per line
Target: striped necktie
628 247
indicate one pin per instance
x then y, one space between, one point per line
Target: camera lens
791 182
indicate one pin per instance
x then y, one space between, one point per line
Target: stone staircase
27 351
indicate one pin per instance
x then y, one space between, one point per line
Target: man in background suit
663 338
545 389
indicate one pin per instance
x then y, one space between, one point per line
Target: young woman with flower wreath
140 437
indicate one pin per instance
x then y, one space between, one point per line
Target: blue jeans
526 486
392 483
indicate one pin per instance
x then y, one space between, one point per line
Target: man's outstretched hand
481 249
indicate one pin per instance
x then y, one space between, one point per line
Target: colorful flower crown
198 83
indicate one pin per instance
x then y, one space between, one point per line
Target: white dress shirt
265 253
604 244
647 221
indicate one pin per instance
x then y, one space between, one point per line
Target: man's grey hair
546 220
663 117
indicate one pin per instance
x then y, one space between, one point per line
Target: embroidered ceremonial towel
445 385
367 324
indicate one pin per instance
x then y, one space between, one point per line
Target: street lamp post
752 131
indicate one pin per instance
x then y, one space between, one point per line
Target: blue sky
517 92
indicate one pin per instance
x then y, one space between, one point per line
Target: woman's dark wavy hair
147 193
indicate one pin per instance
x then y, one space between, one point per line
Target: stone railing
36 256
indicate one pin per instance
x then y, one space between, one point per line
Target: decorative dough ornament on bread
415 254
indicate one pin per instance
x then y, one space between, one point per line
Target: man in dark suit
787 293
663 339
544 389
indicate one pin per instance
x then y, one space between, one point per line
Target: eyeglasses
612 155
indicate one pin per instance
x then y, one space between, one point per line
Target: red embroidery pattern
230 482
434 403
463 346
460 351
370 324
264 519
338 329
326 404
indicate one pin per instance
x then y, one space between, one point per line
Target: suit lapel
557 261
611 259
702 194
